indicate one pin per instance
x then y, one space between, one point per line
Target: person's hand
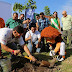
30 37
16 52
37 45
33 58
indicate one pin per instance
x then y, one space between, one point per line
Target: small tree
47 11
19 7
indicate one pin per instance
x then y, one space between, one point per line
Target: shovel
41 63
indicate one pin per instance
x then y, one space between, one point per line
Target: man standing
37 17
33 38
21 17
13 22
67 25
42 23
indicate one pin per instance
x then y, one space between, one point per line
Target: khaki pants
67 33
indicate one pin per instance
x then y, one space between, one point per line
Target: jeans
31 48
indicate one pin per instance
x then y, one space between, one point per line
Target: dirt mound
32 68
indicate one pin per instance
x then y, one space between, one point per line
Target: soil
25 66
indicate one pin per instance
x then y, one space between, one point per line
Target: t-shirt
67 22
6 36
24 25
13 23
34 36
43 23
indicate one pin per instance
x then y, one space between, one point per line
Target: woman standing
55 22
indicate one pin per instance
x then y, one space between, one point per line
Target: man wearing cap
33 37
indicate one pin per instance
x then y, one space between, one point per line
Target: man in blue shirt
43 22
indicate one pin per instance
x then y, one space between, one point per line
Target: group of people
20 31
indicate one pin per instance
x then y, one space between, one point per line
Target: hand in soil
16 52
32 58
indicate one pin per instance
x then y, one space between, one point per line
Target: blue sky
54 5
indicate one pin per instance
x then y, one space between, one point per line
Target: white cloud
67 7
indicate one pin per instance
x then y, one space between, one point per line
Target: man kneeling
33 37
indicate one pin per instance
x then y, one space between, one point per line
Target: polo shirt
13 23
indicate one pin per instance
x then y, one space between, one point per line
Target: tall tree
47 11
19 7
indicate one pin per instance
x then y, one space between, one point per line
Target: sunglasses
63 14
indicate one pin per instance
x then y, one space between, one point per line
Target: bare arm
9 49
59 23
28 52
37 26
6 48
26 39
51 22
24 22
26 49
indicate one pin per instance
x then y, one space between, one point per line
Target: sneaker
60 58
52 53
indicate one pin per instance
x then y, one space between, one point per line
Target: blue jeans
31 48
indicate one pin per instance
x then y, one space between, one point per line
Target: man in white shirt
67 27
6 40
33 37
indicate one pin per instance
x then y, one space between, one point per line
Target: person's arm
51 22
24 22
57 47
59 23
28 52
37 27
15 52
39 40
27 36
26 39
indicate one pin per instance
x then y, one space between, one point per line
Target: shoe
60 58
52 53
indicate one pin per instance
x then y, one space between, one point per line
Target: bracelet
12 52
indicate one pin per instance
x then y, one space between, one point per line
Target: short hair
38 15
19 29
21 14
33 25
41 13
15 13
28 19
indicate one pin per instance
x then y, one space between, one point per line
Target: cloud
67 7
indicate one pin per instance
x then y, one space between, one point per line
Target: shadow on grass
43 57
68 53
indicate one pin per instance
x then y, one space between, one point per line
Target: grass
64 66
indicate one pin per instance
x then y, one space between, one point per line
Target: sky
54 5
